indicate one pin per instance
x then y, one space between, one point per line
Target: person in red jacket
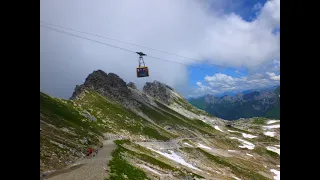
90 151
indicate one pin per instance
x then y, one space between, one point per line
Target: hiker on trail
90 152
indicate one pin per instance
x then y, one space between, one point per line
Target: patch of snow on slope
217 128
248 136
273 149
277 145
203 146
277 174
272 121
188 144
249 154
246 144
150 169
173 156
269 133
236 178
272 126
232 131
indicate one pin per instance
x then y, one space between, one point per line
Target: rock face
108 85
159 91
132 85
89 116
113 87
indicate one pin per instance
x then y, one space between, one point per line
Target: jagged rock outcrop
160 91
108 85
132 85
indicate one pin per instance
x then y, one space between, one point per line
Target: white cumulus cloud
219 83
189 28
273 76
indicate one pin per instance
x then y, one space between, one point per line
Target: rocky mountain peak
108 85
160 91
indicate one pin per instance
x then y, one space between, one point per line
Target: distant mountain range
267 89
250 103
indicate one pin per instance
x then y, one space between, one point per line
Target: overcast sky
237 34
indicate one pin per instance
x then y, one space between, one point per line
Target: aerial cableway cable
121 41
124 49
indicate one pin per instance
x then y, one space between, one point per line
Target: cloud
220 83
273 76
189 28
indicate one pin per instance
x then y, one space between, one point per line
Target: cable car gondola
142 71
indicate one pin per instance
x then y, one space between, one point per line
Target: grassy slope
120 168
239 171
127 151
116 118
60 114
57 114
170 117
185 104
112 117
238 167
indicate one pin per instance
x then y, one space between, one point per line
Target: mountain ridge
256 103
155 128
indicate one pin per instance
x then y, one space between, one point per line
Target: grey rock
159 91
89 116
109 85
132 85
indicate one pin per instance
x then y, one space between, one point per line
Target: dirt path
89 169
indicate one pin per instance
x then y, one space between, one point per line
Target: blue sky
249 11
240 35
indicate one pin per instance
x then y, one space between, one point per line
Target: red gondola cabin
142 72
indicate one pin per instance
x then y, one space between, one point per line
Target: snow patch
277 174
76 164
248 136
150 169
203 146
245 144
272 126
273 149
217 128
272 121
269 133
277 145
173 156
249 154
278 165
236 178
188 144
